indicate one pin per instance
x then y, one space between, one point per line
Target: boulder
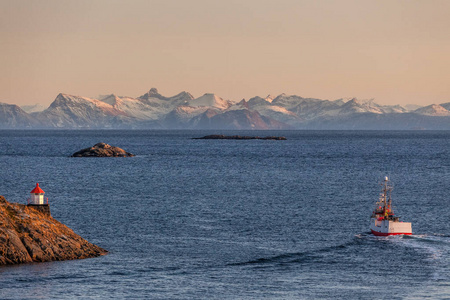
102 150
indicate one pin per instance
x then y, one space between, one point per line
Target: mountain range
182 111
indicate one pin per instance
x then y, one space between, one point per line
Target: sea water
236 219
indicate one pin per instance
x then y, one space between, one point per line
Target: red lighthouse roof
37 190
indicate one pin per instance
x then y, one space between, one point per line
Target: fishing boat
383 222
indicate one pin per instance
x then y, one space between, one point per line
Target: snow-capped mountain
183 111
12 116
73 111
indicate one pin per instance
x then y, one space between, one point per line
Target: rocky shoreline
239 137
29 235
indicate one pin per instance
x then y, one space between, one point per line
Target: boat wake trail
312 256
437 245
431 248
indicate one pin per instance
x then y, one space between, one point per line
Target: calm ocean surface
227 219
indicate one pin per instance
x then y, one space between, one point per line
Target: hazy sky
393 51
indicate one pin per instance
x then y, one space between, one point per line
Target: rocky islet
102 150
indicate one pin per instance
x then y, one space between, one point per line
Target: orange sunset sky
397 52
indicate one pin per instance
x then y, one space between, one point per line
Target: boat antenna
386 194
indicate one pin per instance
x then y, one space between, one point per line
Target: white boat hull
389 227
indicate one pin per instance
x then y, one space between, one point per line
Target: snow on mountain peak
65 102
433 110
269 98
65 98
361 106
183 96
210 100
288 101
111 99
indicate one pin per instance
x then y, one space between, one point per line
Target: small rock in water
102 150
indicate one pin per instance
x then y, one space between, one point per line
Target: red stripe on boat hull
386 234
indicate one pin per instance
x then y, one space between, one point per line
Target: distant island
30 235
239 137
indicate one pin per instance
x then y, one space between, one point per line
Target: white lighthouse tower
38 201
37 196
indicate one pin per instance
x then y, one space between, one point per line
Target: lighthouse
38 201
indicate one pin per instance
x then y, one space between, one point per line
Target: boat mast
385 195
387 198
391 212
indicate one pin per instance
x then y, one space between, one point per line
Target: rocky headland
102 150
240 137
29 235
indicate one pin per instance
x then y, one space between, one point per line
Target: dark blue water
227 219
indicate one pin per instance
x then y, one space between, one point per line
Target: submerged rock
28 235
102 150
239 137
